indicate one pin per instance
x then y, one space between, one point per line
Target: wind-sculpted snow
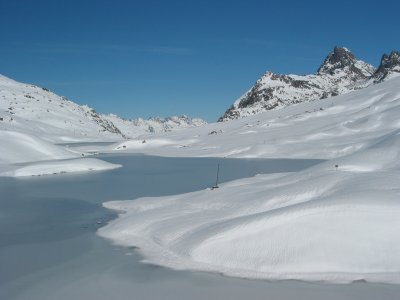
337 221
26 155
18 147
322 129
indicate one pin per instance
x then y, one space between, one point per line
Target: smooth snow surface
328 223
24 154
19 147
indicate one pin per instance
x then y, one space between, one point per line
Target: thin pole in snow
216 182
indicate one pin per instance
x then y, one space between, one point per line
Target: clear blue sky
167 57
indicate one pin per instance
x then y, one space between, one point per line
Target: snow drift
28 155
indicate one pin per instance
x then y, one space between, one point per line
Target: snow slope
18 147
35 110
324 223
28 155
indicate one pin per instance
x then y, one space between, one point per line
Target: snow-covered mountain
389 67
137 127
35 110
340 73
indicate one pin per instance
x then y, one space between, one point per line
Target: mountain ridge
136 127
340 73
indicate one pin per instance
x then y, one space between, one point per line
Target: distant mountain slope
32 109
137 127
35 110
340 73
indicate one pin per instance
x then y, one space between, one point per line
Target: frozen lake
49 248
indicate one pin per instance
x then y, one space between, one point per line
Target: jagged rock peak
389 64
341 58
338 58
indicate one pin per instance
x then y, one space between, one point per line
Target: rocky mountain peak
339 58
389 64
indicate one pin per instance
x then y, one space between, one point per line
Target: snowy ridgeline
35 110
337 221
137 127
339 74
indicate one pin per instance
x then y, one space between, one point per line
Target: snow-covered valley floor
336 221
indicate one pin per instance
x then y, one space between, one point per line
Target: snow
59 167
320 224
36 110
323 129
28 155
19 147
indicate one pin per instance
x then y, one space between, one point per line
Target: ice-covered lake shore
48 227
272 227
334 222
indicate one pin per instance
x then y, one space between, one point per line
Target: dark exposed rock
340 73
389 64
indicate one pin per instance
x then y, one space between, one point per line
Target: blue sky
145 58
